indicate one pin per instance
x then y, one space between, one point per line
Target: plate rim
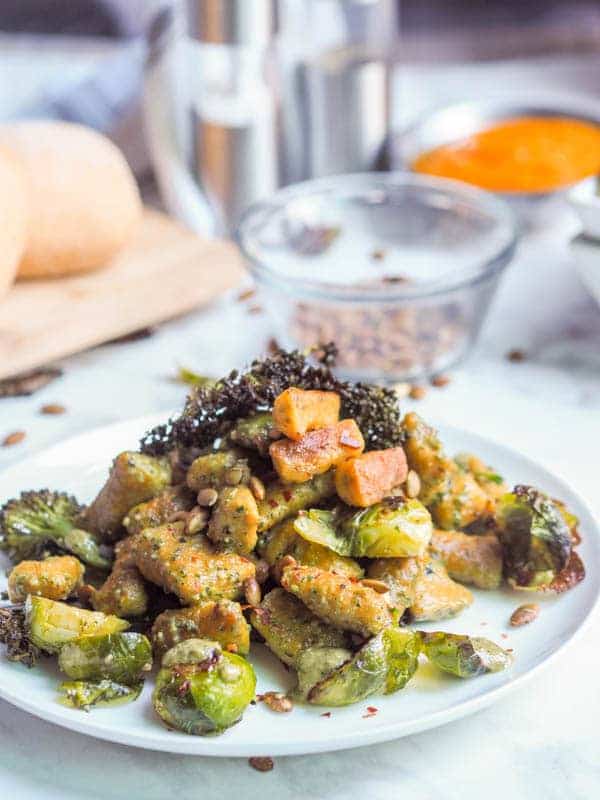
215 747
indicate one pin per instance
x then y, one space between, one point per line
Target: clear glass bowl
398 269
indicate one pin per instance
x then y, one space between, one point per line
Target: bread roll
84 203
13 219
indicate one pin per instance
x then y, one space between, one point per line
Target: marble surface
542 742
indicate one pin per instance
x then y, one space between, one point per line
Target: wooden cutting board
167 271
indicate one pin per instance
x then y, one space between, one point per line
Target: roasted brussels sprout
56 578
120 657
282 540
535 538
201 690
133 479
284 500
86 694
183 566
51 624
464 656
315 664
218 469
384 664
159 510
124 592
289 628
222 622
37 521
469 559
337 599
394 528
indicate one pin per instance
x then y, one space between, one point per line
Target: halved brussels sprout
535 537
394 528
384 664
205 693
51 624
315 664
464 656
121 657
85 694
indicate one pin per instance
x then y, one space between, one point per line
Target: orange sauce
530 154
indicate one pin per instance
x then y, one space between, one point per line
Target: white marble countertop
540 743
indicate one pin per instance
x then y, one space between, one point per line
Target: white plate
79 465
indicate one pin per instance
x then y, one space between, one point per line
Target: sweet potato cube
367 479
317 451
297 411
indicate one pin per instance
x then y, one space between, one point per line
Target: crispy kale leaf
211 411
14 634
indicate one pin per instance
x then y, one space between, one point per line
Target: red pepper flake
372 709
287 495
326 714
504 635
273 503
255 309
369 714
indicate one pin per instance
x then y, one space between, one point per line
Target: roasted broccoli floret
213 411
43 522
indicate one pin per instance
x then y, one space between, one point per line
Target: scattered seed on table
417 392
247 294
53 408
516 355
524 615
440 380
255 309
16 437
261 763
326 714
378 255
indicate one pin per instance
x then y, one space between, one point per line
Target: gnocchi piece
338 600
